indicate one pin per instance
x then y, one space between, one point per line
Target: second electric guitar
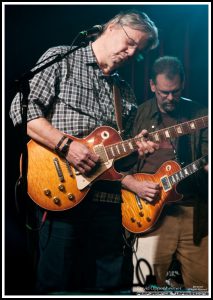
55 185
138 215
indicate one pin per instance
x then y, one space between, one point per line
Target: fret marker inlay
111 148
118 149
192 125
130 146
179 129
156 136
167 133
186 171
124 147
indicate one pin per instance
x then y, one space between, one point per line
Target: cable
141 281
19 192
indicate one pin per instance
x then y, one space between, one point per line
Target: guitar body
54 184
138 215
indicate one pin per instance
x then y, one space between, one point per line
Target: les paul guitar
138 215
55 185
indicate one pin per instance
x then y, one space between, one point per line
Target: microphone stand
23 87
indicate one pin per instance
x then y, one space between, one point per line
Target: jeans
81 249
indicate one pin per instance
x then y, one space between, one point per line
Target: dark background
32 29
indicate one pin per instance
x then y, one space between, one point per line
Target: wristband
65 149
59 143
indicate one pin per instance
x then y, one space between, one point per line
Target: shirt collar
90 59
154 108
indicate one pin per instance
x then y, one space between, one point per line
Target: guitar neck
124 148
179 129
188 170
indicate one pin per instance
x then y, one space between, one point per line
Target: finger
79 169
149 199
143 133
151 186
86 167
83 167
90 163
86 154
93 157
148 147
152 195
142 150
152 146
141 145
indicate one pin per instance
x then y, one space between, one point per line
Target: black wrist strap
65 148
59 143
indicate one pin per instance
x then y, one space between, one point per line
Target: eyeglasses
132 44
165 94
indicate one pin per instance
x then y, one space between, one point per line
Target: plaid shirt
75 97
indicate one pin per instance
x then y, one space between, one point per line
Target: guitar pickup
166 183
58 169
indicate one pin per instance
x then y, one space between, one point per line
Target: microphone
92 31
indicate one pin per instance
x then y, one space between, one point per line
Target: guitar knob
56 200
61 187
133 220
139 224
71 196
141 214
148 219
47 192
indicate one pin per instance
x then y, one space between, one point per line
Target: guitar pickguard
85 181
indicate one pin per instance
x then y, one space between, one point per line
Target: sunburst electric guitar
140 216
55 185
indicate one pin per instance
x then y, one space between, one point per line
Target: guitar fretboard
124 148
188 170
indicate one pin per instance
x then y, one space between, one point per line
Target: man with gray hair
81 249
